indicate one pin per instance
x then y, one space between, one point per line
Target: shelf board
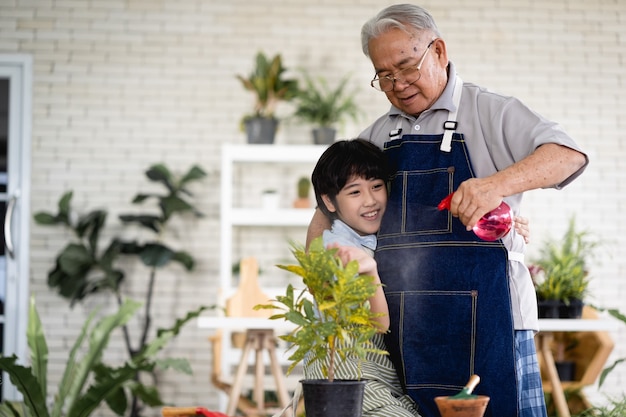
274 217
274 153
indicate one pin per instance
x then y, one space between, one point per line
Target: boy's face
360 204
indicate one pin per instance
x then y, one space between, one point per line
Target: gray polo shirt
498 132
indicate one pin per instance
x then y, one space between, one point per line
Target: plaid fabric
383 396
530 395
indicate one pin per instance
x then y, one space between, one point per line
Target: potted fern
561 274
268 84
333 322
324 107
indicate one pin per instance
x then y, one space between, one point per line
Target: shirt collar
340 228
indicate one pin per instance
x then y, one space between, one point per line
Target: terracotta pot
465 407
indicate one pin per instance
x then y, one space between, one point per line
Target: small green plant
561 272
87 382
332 313
320 105
304 186
268 84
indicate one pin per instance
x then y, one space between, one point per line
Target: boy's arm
318 224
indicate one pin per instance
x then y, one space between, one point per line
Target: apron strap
516 256
450 125
397 132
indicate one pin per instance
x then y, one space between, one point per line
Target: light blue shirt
344 235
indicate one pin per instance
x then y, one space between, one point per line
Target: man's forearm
548 166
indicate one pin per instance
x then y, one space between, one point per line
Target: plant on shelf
87 381
561 272
269 85
332 314
325 107
82 269
304 187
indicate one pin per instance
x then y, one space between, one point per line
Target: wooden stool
259 340
241 304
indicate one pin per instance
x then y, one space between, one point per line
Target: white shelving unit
240 211
233 216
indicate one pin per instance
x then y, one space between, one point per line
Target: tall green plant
82 268
87 382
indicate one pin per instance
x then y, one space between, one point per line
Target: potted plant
268 84
561 273
333 322
325 107
304 186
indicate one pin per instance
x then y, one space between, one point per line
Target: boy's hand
367 264
522 227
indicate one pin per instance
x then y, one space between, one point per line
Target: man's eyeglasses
408 75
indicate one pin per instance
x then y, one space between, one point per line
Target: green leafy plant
268 84
332 313
87 382
320 105
82 268
561 272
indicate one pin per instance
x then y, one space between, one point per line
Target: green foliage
268 84
323 106
332 314
82 269
563 266
86 382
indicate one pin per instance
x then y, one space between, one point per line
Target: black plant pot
340 398
261 129
549 309
573 310
566 370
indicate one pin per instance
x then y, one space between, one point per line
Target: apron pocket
409 196
449 338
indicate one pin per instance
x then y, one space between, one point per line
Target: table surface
546 325
243 323
579 325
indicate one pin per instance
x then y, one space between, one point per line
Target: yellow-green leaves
332 313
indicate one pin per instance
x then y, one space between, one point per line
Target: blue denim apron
447 290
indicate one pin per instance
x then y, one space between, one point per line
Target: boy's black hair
343 160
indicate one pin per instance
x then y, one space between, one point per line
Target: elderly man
458 305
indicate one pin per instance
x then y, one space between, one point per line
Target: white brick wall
119 85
